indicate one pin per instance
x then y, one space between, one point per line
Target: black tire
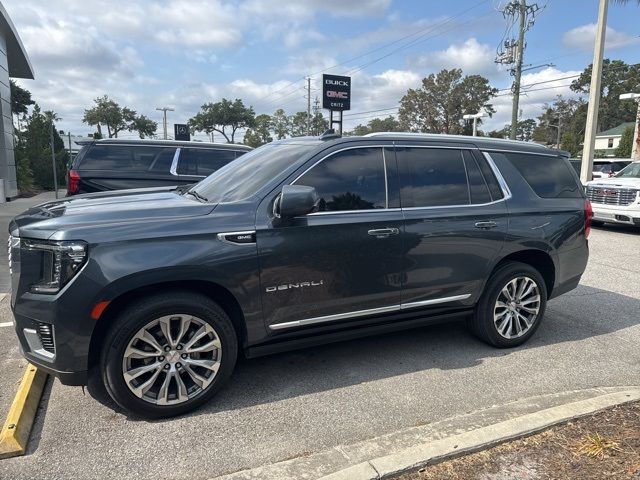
136 316
597 223
482 323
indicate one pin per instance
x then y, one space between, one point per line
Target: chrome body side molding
367 312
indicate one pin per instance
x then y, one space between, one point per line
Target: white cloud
538 88
583 38
471 56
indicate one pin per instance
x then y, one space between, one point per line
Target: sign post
181 132
336 97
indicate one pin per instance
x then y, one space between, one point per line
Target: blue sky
183 53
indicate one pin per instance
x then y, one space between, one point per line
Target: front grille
45 334
606 195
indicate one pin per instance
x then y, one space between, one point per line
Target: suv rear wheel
511 307
167 354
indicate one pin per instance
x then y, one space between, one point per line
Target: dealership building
13 63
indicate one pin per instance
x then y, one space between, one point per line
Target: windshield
630 171
243 177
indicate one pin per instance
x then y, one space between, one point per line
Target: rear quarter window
130 158
549 177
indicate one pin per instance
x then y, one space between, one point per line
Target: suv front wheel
511 307
167 354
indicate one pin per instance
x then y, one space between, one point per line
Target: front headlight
61 261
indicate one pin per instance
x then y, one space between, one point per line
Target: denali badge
290 286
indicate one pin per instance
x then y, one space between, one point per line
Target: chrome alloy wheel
517 307
172 359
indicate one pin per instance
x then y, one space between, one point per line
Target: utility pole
308 106
53 162
594 95
164 111
518 71
512 51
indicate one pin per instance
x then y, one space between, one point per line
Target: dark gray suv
119 164
299 242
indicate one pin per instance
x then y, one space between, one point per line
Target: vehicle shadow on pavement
583 313
619 229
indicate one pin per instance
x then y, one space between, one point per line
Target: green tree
20 99
224 117
280 125
319 124
570 143
625 147
524 130
33 151
298 124
440 103
388 124
617 77
260 133
565 113
106 112
497 134
144 126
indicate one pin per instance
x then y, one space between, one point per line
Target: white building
609 140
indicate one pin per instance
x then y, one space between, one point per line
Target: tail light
588 216
73 182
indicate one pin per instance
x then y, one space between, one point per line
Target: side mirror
296 200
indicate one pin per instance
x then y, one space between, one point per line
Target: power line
417 41
426 30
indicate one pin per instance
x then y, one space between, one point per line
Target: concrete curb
411 448
421 455
15 432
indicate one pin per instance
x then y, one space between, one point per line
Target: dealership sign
336 92
181 132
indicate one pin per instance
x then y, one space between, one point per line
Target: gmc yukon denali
156 292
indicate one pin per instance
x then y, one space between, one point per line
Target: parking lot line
15 432
6 324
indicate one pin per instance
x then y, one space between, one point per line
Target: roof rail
436 136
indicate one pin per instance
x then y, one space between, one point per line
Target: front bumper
62 353
617 214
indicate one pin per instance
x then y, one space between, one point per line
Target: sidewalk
7 212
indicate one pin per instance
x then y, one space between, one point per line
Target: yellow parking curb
15 432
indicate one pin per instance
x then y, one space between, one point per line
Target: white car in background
617 199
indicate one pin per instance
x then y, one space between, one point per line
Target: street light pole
164 111
635 151
53 161
474 117
594 95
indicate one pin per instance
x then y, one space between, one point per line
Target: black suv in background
299 242
117 164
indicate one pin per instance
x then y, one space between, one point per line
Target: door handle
486 225
383 232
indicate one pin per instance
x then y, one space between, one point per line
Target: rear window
130 158
204 161
549 177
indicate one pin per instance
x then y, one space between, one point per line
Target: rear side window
203 161
349 180
432 177
130 158
478 188
549 177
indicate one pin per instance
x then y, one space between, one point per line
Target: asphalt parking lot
293 404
